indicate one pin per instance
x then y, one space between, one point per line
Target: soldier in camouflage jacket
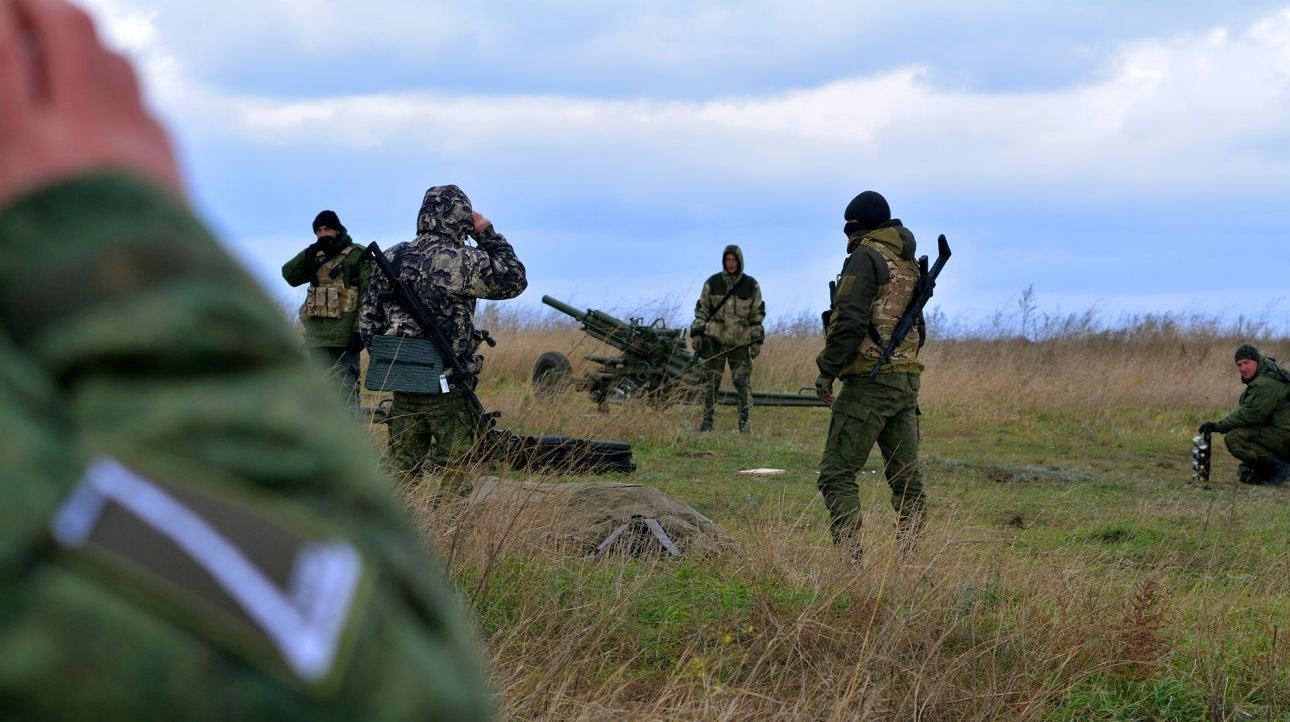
728 330
186 513
448 276
873 290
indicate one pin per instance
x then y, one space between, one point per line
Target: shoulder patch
283 599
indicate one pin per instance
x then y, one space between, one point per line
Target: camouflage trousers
867 411
342 366
432 432
1258 446
716 358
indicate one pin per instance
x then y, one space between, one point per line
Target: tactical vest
890 303
331 295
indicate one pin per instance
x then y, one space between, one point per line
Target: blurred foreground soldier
728 329
1258 431
337 274
448 276
168 551
875 287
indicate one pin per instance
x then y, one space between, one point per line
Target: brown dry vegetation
1069 570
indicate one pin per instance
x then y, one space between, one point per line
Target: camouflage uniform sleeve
756 320
302 268
372 319
1260 399
497 274
702 313
862 275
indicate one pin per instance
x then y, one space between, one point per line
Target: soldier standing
448 276
168 550
338 275
727 330
1258 431
874 288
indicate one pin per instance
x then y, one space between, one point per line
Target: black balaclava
866 212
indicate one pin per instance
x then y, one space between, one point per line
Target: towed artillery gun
653 363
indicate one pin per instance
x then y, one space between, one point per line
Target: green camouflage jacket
738 321
134 353
1265 401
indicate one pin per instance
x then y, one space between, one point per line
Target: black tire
552 375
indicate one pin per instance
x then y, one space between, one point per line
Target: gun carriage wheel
552 375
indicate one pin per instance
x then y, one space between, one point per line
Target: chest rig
332 294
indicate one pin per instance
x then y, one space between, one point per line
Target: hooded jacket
874 288
446 274
737 321
1265 401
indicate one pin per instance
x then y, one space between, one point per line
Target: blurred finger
118 86
66 48
13 67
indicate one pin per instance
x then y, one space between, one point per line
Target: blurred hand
1208 427
68 105
754 350
481 223
824 389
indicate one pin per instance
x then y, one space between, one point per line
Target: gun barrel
563 307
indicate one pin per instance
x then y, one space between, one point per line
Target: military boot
1279 473
743 420
1247 474
707 423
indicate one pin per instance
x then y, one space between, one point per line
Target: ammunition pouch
405 364
330 301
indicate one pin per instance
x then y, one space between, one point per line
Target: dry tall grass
978 622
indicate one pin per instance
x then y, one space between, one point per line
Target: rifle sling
733 287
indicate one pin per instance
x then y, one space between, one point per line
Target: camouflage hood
445 213
739 259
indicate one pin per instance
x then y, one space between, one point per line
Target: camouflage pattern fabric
433 431
446 274
337 284
874 288
716 358
738 321
866 411
127 331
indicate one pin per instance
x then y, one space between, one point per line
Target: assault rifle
922 293
557 454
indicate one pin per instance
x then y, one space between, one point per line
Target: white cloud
1165 111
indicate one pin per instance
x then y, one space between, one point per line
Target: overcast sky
1129 157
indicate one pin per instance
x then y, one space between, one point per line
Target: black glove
355 343
1208 427
824 388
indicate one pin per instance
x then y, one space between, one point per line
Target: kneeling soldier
1258 431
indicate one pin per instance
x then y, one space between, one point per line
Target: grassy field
1069 570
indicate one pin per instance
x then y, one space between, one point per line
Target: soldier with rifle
438 423
873 333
